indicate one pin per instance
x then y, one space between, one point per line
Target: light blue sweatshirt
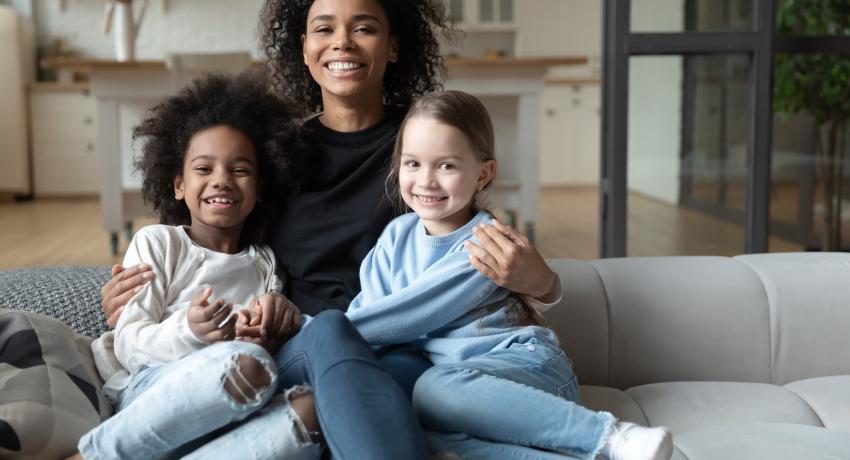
422 290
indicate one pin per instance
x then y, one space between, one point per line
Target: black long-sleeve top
328 227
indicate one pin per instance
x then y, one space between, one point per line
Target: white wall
187 26
655 107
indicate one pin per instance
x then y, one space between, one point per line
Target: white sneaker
628 441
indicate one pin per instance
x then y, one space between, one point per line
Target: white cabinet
558 28
569 133
64 141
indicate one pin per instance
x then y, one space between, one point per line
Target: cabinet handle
87 147
88 121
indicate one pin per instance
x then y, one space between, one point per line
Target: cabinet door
539 24
64 137
570 127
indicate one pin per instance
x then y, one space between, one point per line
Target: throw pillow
50 390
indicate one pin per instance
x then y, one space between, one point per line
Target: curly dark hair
417 72
243 103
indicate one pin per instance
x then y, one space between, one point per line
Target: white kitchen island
509 87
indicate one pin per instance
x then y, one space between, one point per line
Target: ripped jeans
171 405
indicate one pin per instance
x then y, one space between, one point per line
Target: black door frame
761 44
620 45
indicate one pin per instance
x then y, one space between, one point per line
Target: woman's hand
125 283
511 261
211 322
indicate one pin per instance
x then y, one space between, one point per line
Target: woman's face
347 47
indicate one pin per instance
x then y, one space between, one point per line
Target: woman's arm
507 257
124 284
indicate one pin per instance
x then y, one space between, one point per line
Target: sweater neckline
460 234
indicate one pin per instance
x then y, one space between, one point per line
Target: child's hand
272 321
210 322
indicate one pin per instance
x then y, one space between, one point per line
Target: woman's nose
342 41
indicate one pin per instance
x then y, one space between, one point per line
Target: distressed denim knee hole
246 379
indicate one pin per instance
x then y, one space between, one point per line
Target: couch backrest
755 318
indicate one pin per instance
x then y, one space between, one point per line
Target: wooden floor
50 232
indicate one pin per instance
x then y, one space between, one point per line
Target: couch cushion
829 397
763 441
809 298
50 391
688 406
614 401
70 294
685 318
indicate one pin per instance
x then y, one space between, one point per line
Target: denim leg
172 404
262 436
461 446
532 381
362 411
405 364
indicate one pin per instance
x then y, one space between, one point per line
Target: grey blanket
69 294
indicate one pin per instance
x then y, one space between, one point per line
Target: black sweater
325 231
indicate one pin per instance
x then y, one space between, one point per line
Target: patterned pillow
50 391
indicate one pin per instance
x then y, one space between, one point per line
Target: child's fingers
268 317
201 298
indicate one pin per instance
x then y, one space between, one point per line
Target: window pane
810 190
687 149
813 17
691 15
456 10
485 13
506 12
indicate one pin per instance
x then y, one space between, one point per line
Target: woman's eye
322 30
445 166
411 164
203 169
364 29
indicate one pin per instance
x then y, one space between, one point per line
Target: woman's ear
393 55
179 193
303 50
488 172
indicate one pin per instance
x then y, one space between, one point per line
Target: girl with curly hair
358 64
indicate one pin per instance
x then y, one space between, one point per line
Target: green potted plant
819 85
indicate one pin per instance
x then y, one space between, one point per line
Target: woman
359 63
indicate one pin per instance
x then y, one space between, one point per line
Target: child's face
219 181
347 47
439 174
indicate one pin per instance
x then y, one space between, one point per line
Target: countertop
86 65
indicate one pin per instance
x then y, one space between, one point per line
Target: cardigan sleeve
142 337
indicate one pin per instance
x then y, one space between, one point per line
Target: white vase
124 32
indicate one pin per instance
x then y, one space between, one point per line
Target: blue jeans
167 406
520 402
363 412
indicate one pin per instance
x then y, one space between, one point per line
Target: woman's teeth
339 66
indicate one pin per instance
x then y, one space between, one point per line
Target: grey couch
743 358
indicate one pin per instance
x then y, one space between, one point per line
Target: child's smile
219 186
